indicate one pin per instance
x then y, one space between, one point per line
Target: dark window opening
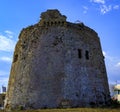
48 23
3 97
55 22
79 53
51 23
15 58
44 23
63 23
77 95
87 55
119 92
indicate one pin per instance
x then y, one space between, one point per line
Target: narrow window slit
79 53
87 55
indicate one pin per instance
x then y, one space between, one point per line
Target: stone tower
57 64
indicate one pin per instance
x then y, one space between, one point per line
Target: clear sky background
101 15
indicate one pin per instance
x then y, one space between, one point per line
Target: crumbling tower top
51 17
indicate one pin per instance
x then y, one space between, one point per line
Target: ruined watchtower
57 64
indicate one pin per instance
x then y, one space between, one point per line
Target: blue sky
101 15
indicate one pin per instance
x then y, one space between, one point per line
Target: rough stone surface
57 64
2 98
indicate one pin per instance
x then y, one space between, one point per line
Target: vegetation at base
115 104
72 110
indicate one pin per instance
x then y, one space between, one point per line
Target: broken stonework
57 64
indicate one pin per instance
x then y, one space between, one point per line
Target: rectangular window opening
87 55
79 53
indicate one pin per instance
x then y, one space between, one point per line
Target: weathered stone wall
57 64
2 98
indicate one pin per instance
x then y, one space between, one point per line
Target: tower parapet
52 17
